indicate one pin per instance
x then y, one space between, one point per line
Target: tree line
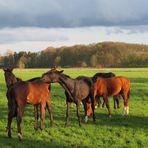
105 54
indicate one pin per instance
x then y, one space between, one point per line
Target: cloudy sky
36 24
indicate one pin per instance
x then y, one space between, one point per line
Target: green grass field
115 132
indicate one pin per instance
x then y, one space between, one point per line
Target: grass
115 132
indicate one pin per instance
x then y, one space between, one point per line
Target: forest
104 54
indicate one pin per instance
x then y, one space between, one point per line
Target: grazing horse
106 87
77 90
20 93
97 99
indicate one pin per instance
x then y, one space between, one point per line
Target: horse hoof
9 135
66 125
19 137
51 125
110 116
36 128
86 119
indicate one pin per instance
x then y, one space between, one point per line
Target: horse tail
128 94
12 104
49 87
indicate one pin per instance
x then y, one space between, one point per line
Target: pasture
115 132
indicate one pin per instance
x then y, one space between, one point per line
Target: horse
34 92
97 99
106 87
77 90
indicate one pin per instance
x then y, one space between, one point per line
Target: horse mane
65 76
103 75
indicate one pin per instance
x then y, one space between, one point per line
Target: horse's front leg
67 113
42 114
78 112
36 115
107 105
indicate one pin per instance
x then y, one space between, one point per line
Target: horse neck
68 84
10 80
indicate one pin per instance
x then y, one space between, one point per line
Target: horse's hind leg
50 112
36 115
67 113
10 116
42 115
126 108
92 105
85 110
116 101
20 111
107 105
78 112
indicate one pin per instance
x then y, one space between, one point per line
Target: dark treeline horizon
105 54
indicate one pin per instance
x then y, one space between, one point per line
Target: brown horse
20 93
77 90
106 87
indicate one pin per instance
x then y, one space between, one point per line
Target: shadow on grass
13 142
134 122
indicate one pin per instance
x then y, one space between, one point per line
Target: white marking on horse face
96 106
86 119
20 135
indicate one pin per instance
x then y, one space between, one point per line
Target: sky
34 25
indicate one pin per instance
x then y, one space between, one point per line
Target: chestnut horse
77 90
97 100
20 93
106 87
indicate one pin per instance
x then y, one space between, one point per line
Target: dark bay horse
77 90
106 87
20 93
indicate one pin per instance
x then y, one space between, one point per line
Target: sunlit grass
115 132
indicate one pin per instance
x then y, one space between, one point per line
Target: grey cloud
73 13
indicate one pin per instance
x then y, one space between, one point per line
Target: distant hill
105 54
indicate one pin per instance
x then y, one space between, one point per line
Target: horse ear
61 71
4 69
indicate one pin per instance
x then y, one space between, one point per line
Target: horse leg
50 112
20 111
67 113
99 101
103 103
126 107
107 105
36 115
10 116
92 105
115 101
42 115
78 112
118 101
85 110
